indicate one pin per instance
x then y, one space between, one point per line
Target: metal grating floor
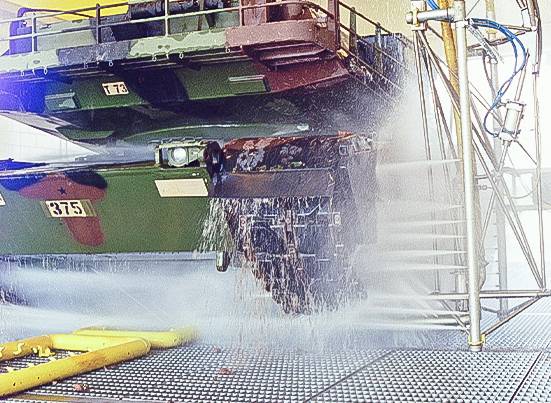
531 330
435 376
515 366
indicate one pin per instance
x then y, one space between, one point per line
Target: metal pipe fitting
419 17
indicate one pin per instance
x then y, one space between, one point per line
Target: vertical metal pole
241 14
532 14
167 21
473 286
333 6
441 122
450 50
98 23
428 153
33 34
536 24
501 237
539 196
379 65
501 234
353 37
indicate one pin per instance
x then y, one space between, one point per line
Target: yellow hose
83 343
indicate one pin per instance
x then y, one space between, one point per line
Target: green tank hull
282 206
134 209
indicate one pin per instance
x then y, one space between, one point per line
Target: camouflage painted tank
125 208
286 201
247 109
117 76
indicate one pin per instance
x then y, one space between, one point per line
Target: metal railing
383 57
374 73
167 17
99 11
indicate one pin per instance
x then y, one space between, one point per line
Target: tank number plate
68 208
118 88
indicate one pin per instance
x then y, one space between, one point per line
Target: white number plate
68 208
118 88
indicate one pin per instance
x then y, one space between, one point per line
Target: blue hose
432 4
516 43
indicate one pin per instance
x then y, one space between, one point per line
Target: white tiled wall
25 143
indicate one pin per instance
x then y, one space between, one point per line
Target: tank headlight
178 157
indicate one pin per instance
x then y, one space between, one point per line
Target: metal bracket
419 16
478 344
490 50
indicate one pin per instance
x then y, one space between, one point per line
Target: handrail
166 17
369 20
66 12
354 52
372 22
380 50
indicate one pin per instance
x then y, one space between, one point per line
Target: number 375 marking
68 208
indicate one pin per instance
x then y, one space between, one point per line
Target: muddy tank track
297 211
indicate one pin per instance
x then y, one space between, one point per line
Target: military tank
220 108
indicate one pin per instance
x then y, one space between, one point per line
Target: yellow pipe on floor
23 348
120 350
100 347
73 342
169 339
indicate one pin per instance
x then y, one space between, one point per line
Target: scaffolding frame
476 148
